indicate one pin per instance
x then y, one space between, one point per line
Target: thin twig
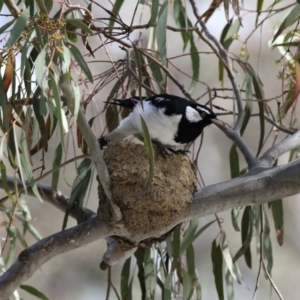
222 54
272 281
281 128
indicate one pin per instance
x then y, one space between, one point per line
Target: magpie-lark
171 120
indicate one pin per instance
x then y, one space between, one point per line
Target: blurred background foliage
125 48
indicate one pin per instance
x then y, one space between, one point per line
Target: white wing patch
158 99
203 109
192 114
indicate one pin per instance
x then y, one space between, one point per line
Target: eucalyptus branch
42 6
261 185
271 155
222 54
281 128
239 141
55 198
128 66
170 75
93 145
13 8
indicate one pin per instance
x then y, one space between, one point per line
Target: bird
171 120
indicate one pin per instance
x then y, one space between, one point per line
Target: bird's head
202 114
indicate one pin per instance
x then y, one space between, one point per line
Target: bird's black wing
173 105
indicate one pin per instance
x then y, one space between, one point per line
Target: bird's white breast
161 127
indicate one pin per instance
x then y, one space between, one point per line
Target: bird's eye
203 114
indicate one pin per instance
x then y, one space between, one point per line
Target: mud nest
151 209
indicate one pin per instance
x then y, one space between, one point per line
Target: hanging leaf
56 162
233 267
41 70
150 276
259 6
81 62
33 291
267 244
149 149
115 10
18 28
234 162
291 18
277 211
217 260
126 287
140 256
161 32
79 24
154 12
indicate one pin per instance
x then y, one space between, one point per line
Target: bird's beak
218 122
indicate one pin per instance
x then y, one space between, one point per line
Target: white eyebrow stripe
192 114
203 109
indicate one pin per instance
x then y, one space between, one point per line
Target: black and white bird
171 120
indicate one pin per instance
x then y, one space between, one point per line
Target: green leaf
149 149
56 163
79 189
231 32
115 11
33 291
277 211
41 70
6 26
267 244
18 28
59 113
234 217
167 295
262 127
247 231
233 267
195 57
176 264
3 105
26 163
187 285
229 284
292 17
126 288
138 63
259 6
81 62
154 12
234 162
188 236
217 260
111 117
150 275
182 21
157 73
161 32
79 24
4 179
140 255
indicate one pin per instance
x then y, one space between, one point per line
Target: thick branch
270 156
259 186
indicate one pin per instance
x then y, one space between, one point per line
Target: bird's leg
180 151
161 149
